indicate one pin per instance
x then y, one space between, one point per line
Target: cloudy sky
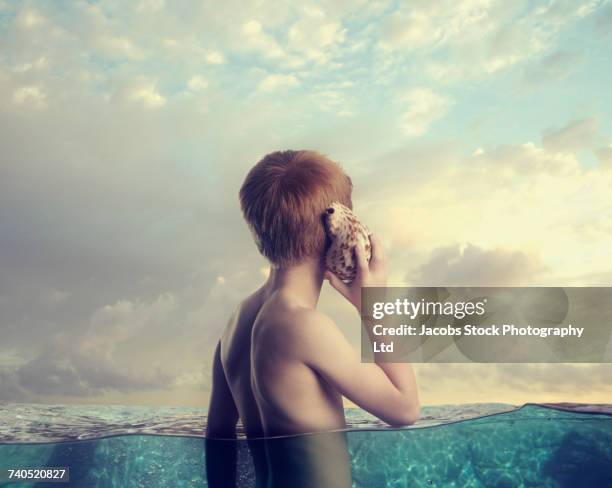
478 134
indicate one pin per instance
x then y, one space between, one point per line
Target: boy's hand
373 273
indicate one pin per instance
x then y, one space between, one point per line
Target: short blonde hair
283 199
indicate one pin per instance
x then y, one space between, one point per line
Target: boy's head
283 199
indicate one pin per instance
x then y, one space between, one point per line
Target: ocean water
490 445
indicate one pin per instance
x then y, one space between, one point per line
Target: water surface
457 445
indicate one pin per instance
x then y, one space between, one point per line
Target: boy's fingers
337 283
360 258
378 255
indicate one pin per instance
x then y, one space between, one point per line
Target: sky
478 135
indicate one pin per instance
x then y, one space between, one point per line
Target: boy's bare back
281 394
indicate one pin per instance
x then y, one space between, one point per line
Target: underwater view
472 445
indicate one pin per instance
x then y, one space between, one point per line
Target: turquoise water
531 446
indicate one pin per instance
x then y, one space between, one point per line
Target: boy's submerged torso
275 391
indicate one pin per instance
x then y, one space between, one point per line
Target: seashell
345 231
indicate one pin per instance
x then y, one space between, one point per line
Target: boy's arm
220 429
387 390
222 411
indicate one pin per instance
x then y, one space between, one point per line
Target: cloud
471 265
314 35
91 361
10 390
333 100
119 47
412 29
431 23
477 39
426 197
150 5
257 39
215 57
273 82
148 96
424 108
197 83
142 92
571 137
131 345
30 96
37 65
30 18
53 297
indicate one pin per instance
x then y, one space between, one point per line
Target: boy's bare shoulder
298 328
309 320
243 315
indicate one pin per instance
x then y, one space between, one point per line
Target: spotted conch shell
345 231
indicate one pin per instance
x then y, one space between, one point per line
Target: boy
281 366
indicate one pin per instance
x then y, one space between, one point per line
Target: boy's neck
303 280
